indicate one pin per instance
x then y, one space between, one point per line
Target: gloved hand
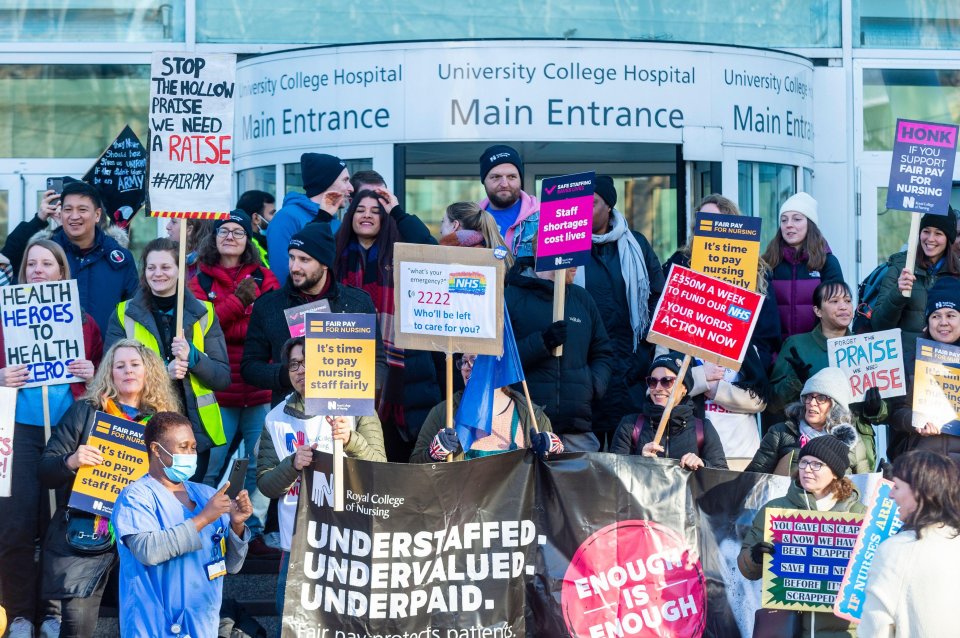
758 550
246 291
444 443
872 403
544 444
555 335
802 369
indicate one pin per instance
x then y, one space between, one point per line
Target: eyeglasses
819 398
816 466
239 233
296 364
466 363
666 382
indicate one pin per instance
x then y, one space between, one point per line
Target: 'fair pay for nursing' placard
96 487
936 386
42 327
921 174
341 361
727 247
871 360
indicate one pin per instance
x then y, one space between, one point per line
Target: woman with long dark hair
912 587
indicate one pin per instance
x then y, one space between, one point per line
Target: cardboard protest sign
95 488
727 247
448 299
191 135
871 360
879 523
921 174
295 316
811 553
119 175
8 399
705 317
564 237
936 386
42 327
341 359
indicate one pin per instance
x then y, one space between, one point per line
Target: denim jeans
249 423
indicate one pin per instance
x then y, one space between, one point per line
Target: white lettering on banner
350 95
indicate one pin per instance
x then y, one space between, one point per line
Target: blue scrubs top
174 598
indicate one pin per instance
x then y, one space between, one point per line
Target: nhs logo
738 313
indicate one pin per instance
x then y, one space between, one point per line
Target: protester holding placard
565 386
823 409
310 257
291 434
326 182
688 438
466 224
131 383
24 514
195 351
804 355
177 539
231 277
911 591
501 172
374 222
819 486
943 326
937 258
800 259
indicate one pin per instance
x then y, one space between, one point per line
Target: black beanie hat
947 223
603 186
319 172
944 294
237 217
316 240
672 362
500 154
831 450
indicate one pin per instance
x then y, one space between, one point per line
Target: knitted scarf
362 271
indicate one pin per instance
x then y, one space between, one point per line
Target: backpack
206 281
642 420
867 294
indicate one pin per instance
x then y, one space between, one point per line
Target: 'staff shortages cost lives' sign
705 317
564 238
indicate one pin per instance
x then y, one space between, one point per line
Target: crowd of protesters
226 379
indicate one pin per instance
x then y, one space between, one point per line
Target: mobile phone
238 475
55 184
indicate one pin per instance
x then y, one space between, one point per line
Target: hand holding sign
83 369
85 456
340 428
14 376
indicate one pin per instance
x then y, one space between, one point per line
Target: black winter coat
260 365
604 282
679 438
565 386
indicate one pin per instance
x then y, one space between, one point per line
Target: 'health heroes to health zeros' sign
564 237
42 328
921 174
705 317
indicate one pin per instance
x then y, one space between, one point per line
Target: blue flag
474 418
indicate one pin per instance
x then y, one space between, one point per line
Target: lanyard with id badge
217 567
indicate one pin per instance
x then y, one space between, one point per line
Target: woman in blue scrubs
177 539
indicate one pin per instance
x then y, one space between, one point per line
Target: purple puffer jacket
794 283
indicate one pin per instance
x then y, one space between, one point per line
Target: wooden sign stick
449 404
533 416
47 430
337 471
912 242
672 401
559 299
181 277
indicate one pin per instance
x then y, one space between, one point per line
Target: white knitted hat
832 382
803 204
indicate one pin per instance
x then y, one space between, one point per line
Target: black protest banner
119 175
587 546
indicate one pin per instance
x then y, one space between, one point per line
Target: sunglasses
666 382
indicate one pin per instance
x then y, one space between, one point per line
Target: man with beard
311 255
501 171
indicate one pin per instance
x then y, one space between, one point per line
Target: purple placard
921 174
566 221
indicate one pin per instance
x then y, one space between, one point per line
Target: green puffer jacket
893 310
824 624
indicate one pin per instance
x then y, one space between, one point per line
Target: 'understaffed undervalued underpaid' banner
585 546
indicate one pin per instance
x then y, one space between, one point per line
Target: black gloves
758 550
545 443
555 335
872 403
802 369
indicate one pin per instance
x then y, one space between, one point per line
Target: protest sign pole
181 277
912 242
559 299
449 403
45 396
533 418
337 470
673 399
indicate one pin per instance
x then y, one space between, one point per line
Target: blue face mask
182 468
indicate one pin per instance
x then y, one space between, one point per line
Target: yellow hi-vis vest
207 404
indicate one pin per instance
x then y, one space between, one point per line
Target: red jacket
234 318
92 351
